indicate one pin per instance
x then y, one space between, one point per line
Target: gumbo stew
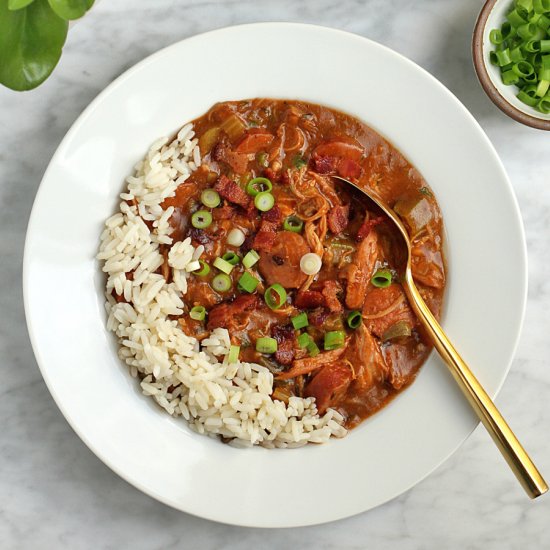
306 277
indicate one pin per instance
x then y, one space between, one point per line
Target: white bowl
392 450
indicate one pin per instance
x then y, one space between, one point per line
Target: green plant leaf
31 41
71 9
18 4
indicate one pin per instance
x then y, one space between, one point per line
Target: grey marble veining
56 494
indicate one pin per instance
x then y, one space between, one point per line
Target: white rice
183 376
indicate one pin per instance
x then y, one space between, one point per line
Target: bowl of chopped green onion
511 52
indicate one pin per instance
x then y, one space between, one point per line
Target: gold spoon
511 449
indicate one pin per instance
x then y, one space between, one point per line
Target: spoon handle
511 449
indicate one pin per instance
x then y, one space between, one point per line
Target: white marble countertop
57 494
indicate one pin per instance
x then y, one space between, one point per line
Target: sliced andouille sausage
255 140
281 262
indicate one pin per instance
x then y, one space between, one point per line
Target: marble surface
57 494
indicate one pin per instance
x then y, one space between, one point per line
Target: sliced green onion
264 201
507 30
258 185
509 77
201 219
233 355
495 36
334 339
250 259
544 45
541 6
235 237
231 258
382 278
533 46
311 263
544 22
524 97
313 349
542 88
303 340
204 271
544 105
293 223
221 282
275 296
210 198
266 345
523 69
544 74
503 57
515 19
223 265
527 31
516 54
198 313
300 321
248 282
354 319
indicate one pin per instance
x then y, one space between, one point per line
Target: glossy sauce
298 146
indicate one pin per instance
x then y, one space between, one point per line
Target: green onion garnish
334 339
198 313
275 296
231 258
250 259
223 265
248 282
293 223
204 271
201 219
266 345
210 198
264 201
313 349
354 319
221 282
300 321
258 185
381 279
233 355
304 340
520 47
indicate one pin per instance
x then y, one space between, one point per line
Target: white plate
391 451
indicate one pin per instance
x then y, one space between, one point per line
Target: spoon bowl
519 461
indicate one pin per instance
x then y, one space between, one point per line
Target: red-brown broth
307 139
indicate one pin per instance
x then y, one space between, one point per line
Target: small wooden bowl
504 97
